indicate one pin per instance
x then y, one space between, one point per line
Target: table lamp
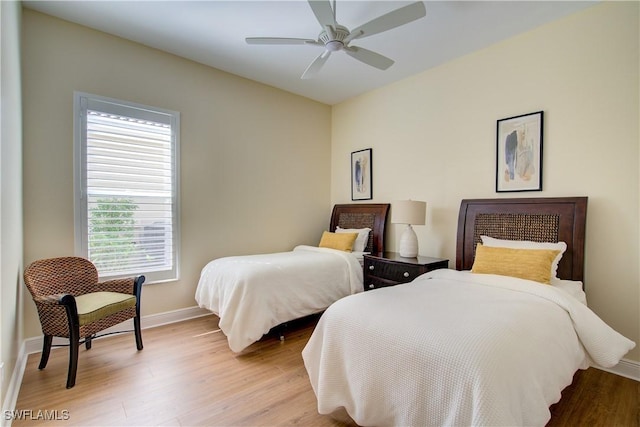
410 212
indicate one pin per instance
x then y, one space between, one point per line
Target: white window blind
128 191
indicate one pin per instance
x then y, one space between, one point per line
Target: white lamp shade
409 212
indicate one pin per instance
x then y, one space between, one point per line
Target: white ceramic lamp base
408 243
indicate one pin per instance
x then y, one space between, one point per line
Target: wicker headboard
537 219
372 215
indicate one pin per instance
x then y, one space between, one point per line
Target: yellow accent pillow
530 264
340 241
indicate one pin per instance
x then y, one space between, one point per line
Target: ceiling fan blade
280 40
390 20
315 66
323 12
369 57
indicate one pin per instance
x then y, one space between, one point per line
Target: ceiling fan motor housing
336 42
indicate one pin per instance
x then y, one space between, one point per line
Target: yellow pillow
340 241
530 264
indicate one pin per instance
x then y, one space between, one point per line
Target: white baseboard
34 345
626 368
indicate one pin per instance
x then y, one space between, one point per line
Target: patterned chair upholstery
73 304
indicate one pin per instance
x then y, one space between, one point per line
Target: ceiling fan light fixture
334 45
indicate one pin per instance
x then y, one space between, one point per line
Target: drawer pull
406 274
372 267
371 286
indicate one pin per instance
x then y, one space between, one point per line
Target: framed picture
361 178
519 153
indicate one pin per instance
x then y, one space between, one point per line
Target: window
126 187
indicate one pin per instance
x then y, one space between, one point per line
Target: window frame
83 101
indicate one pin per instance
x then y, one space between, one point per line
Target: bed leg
280 329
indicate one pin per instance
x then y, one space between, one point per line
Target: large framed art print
519 153
361 178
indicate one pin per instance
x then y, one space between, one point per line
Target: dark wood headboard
551 219
371 215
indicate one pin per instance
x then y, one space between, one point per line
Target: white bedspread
455 348
252 294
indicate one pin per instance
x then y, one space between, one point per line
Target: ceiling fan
335 37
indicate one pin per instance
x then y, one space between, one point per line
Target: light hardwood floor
186 375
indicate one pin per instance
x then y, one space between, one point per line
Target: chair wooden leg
46 350
137 291
138 332
74 345
69 303
87 342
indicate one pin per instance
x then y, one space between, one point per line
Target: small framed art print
519 153
361 177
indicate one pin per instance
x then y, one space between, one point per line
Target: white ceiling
212 33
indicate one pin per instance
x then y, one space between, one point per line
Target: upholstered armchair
73 304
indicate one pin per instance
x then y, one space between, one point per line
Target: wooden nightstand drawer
394 271
372 282
389 269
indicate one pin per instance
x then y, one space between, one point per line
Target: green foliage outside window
111 231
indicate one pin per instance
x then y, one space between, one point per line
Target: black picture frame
361 175
519 153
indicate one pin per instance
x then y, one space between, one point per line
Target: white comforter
252 294
455 348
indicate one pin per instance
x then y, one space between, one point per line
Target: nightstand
389 269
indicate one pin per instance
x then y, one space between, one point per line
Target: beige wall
10 192
433 139
255 161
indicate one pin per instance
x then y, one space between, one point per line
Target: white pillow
526 244
572 287
360 255
361 241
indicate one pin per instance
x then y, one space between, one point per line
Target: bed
252 294
467 347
